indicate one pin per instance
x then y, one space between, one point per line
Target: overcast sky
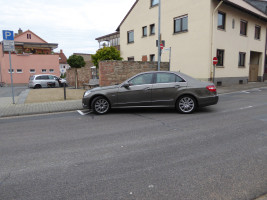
73 24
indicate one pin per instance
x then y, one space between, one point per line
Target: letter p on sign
8 35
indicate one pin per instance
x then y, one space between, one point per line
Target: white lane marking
245 107
83 113
245 92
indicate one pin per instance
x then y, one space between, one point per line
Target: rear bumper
207 101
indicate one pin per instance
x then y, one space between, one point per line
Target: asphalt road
219 152
7 91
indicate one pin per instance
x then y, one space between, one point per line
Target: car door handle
177 86
148 88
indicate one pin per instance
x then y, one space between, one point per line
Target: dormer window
29 36
154 2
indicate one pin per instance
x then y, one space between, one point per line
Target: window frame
221 27
220 61
43 70
181 24
242 60
257 36
144 34
128 37
32 71
51 71
152 29
131 58
19 71
152 57
246 27
153 4
12 71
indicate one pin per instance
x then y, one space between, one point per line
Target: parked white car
43 81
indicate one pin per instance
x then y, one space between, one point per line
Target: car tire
100 105
186 104
37 86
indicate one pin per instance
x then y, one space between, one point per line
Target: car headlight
87 93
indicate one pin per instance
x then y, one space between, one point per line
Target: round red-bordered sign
215 61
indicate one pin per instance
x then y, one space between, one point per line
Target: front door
138 93
254 64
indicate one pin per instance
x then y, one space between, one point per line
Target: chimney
61 51
19 31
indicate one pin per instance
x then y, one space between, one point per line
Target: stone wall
114 72
84 75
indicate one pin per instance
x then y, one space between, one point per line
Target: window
243 27
242 59
131 58
221 21
32 70
142 79
9 70
152 57
19 70
51 70
130 36
220 56
152 29
181 24
257 32
144 31
154 2
43 70
168 78
29 36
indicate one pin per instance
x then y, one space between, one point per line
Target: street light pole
159 38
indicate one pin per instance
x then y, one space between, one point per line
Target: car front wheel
186 104
100 105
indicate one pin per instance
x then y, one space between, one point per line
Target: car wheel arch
98 95
187 94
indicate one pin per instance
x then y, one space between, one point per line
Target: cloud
74 25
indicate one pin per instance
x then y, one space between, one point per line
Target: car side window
165 78
45 77
51 77
179 79
38 78
142 79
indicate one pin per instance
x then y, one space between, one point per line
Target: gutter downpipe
211 72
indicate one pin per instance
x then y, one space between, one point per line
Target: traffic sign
9 45
8 35
161 46
215 61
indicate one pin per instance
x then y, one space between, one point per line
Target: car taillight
211 88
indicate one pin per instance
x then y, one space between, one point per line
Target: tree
76 61
106 53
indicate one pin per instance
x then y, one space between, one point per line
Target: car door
166 88
138 93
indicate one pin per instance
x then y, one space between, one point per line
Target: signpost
215 62
9 45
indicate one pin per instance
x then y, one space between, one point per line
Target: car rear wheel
100 105
186 104
37 86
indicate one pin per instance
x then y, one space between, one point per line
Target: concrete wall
115 72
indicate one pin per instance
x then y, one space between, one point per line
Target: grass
53 94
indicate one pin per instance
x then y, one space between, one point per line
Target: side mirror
126 85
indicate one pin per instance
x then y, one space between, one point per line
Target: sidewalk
8 109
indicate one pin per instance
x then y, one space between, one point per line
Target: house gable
29 37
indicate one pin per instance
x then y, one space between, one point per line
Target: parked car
43 81
61 81
153 89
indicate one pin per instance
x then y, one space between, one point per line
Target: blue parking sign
8 35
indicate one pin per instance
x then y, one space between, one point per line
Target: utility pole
159 38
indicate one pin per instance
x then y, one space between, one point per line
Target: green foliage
63 75
106 53
76 61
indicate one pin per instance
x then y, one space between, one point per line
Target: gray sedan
153 89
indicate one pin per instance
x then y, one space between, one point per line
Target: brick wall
84 75
113 72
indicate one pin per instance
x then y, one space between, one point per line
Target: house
32 55
234 31
63 64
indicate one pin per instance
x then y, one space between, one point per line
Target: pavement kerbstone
8 109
